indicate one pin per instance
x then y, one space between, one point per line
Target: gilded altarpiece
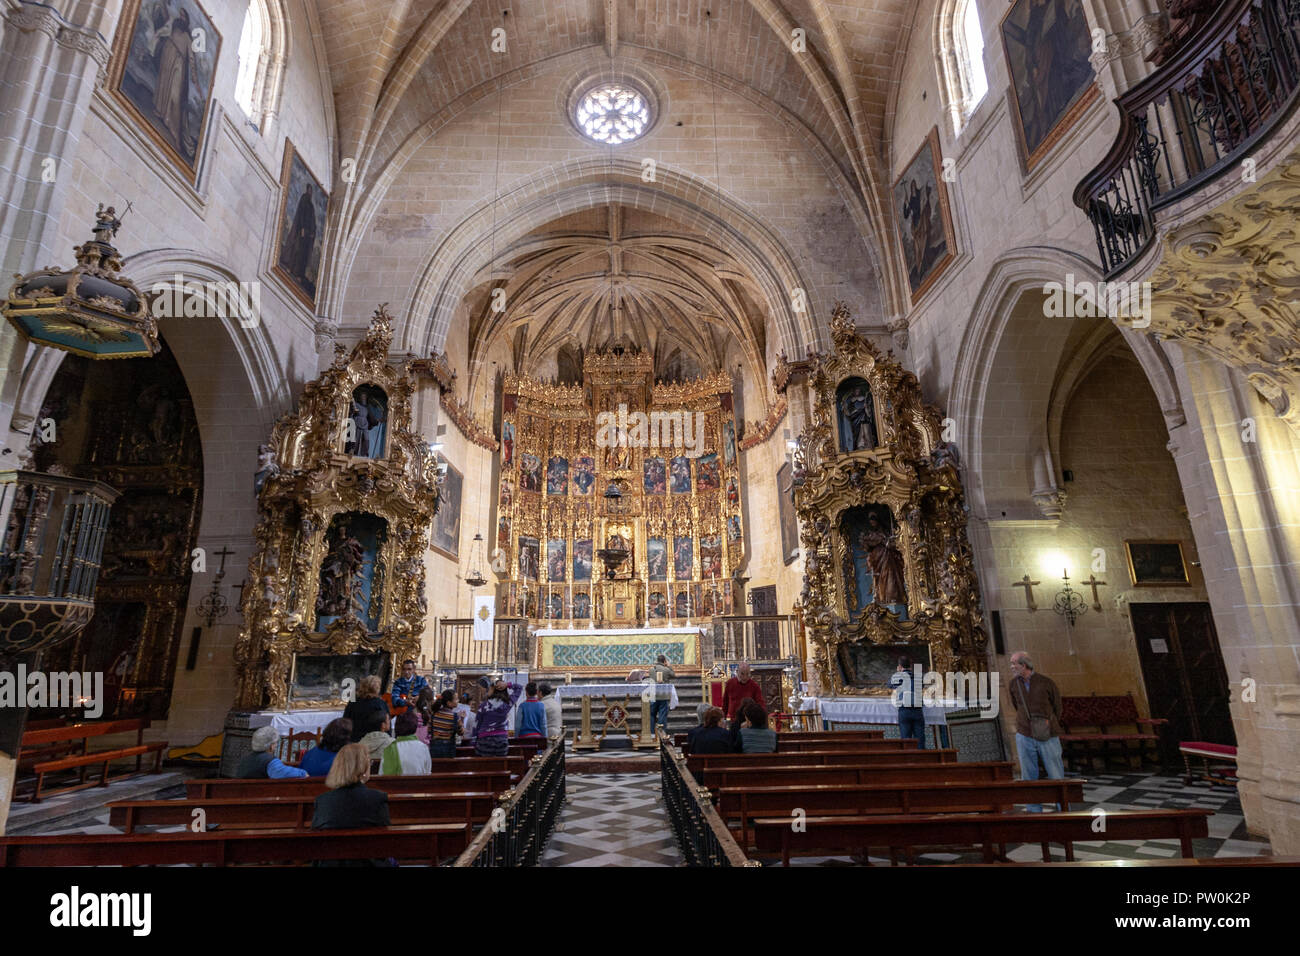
670 453
882 521
347 497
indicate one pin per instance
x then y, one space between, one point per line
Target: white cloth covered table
295 721
633 691
876 710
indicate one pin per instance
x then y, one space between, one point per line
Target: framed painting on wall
446 523
165 56
1157 564
1047 44
924 222
303 203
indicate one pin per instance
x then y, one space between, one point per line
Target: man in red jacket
740 688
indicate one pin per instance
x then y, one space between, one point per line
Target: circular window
613 114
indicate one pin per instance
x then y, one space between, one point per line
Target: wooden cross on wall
1093 583
1028 585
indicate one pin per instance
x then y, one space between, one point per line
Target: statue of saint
266 467
885 562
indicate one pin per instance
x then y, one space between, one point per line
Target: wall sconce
1069 602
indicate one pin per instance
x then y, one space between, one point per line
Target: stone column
1238 462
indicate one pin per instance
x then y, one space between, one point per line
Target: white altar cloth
876 710
295 721
633 691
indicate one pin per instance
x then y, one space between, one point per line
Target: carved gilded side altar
882 519
347 495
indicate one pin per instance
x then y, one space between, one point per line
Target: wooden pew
520 748
517 764
856 834
244 813
859 775
699 762
947 796
40 749
421 844
679 740
788 743
494 781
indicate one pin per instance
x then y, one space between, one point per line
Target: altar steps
689 696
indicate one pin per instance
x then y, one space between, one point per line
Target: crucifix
1093 583
1028 585
223 554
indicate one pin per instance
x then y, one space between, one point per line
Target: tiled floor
612 820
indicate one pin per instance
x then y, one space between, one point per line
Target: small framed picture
1157 564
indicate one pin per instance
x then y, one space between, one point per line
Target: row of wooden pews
49 748
434 817
811 798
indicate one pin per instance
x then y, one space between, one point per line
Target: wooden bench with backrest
494 781
947 796
1107 726
863 774
786 744
857 834
521 748
87 759
680 740
244 813
428 843
698 762
42 743
293 746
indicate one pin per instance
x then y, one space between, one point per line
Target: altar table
616 648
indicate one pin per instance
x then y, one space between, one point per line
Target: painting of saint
710 556
507 444
1047 44
680 469
557 476
503 533
507 494
530 472
656 558
165 58
857 415
555 606
555 559
658 605
446 523
582 560
653 469
708 472
733 493
367 425
708 603
729 443
785 513
303 203
733 528
582 605
683 557
683 605
924 223
877 562
584 474
528 558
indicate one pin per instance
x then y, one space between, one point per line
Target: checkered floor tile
1118 791
612 820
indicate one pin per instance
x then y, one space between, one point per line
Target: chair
294 746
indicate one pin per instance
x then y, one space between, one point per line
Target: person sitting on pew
492 739
376 742
405 755
530 720
347 803
753 735
406 689
444 725
261 763
711 737
368 712
318 760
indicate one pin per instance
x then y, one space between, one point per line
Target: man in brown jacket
1037 704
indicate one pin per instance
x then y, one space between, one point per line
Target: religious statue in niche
857 415
619 458
349 572
367 423
266 467
876 573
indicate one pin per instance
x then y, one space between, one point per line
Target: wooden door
1183 671
767 634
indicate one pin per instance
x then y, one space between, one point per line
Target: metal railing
521 824
511 643
756 637
1210 104
702 837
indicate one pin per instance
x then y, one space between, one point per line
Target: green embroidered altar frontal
617 648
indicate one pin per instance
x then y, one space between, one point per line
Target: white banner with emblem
485 612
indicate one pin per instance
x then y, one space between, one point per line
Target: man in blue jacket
407 687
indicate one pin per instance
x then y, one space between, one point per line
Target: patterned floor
612 820
1118 791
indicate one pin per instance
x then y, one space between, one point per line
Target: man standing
907 698
407 687
554 714
740 688
663 676
1037 703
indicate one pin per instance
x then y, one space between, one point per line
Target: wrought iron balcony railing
1186 124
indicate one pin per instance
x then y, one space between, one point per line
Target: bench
899 797
697 762
1094 727
522 748
680 741
429 843
496 781
788 744
841 834
46 740
244 813
100 759
1218 761
796 775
